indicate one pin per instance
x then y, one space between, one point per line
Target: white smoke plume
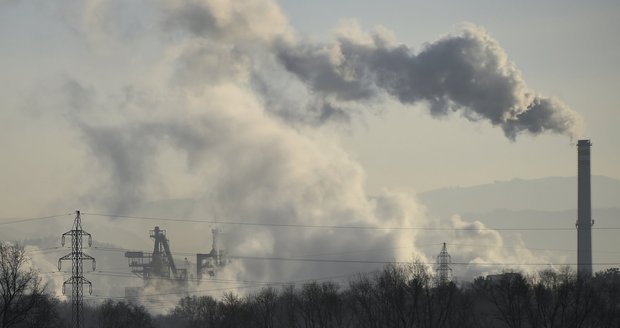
201 120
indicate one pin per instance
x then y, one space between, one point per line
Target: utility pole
444 271
77 280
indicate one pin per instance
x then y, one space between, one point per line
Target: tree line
396 296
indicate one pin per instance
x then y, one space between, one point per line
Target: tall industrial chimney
584 210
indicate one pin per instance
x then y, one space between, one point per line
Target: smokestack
584 210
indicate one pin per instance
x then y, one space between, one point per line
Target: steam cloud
469 72
209 121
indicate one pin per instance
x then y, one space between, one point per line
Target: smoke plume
194 106
468 72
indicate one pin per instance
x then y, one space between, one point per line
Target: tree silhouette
20 285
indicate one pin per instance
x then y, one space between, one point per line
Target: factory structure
160 266
209 263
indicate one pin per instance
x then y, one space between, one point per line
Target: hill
545 194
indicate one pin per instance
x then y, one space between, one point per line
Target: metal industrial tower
159 264
584 210
77 280
444 271
209 263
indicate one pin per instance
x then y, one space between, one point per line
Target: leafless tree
420 294
321 305
43 315
608 285
289 307
233 311
121 314
392 292
550 290
510 294
197 311
20 285
264 306
363 302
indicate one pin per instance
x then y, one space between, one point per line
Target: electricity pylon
77 280
444 271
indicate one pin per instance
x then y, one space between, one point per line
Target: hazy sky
563 49
293 112
566 49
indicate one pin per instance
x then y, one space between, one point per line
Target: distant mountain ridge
544 194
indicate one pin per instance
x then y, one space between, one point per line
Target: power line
319 260
319 226
531 248
352 261
112 249
210 280
22 220
45 250
383 262
259 284
402 262
289 225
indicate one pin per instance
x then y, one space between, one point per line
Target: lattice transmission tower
444 271
77 280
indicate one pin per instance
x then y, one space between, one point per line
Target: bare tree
392 292
608 285
421 297
196 311
233 311
20 285
510 293
321 305
120 315
550 290
264 304
364 302
290 307
45 314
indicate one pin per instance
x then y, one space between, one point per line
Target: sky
298 113
562 48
